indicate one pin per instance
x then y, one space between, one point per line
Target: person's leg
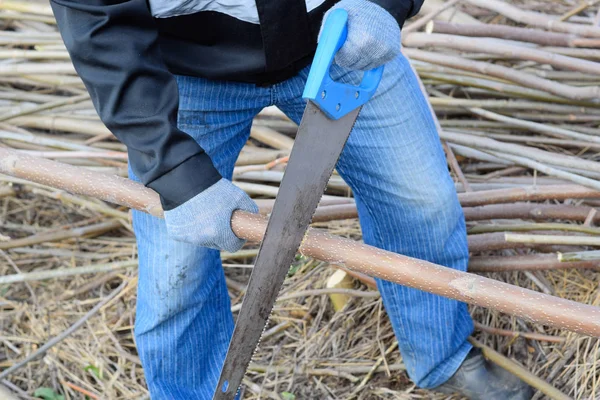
183 322
407 204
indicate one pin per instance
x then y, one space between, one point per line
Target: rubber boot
479 379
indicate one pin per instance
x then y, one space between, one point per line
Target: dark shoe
479 379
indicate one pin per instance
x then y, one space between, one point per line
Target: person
179 82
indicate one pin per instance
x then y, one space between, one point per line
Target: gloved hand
205 220
373 36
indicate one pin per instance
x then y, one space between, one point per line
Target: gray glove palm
205 220
373 36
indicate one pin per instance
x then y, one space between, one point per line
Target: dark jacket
126 52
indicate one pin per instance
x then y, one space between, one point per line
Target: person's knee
173 284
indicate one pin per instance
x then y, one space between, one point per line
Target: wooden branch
529 35
452 14
482 45
510 74
528 262
422 21
352 255
530 193
535 19
86 231
532 211
485 143
552 239
526 335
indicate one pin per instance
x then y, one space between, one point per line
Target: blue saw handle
333 98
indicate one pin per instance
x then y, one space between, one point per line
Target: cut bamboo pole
339 280
355 256
583 256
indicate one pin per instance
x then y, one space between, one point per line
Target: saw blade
318 145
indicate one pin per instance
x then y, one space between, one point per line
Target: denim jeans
406 200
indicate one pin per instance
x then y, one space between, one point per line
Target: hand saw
331 110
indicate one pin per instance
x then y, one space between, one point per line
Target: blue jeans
406 203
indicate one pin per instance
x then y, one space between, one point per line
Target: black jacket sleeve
113 45
401 9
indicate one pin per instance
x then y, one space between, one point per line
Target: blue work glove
205 220
373 36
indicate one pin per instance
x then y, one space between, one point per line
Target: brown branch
527 262
355 256
456 167
532 211
530 193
